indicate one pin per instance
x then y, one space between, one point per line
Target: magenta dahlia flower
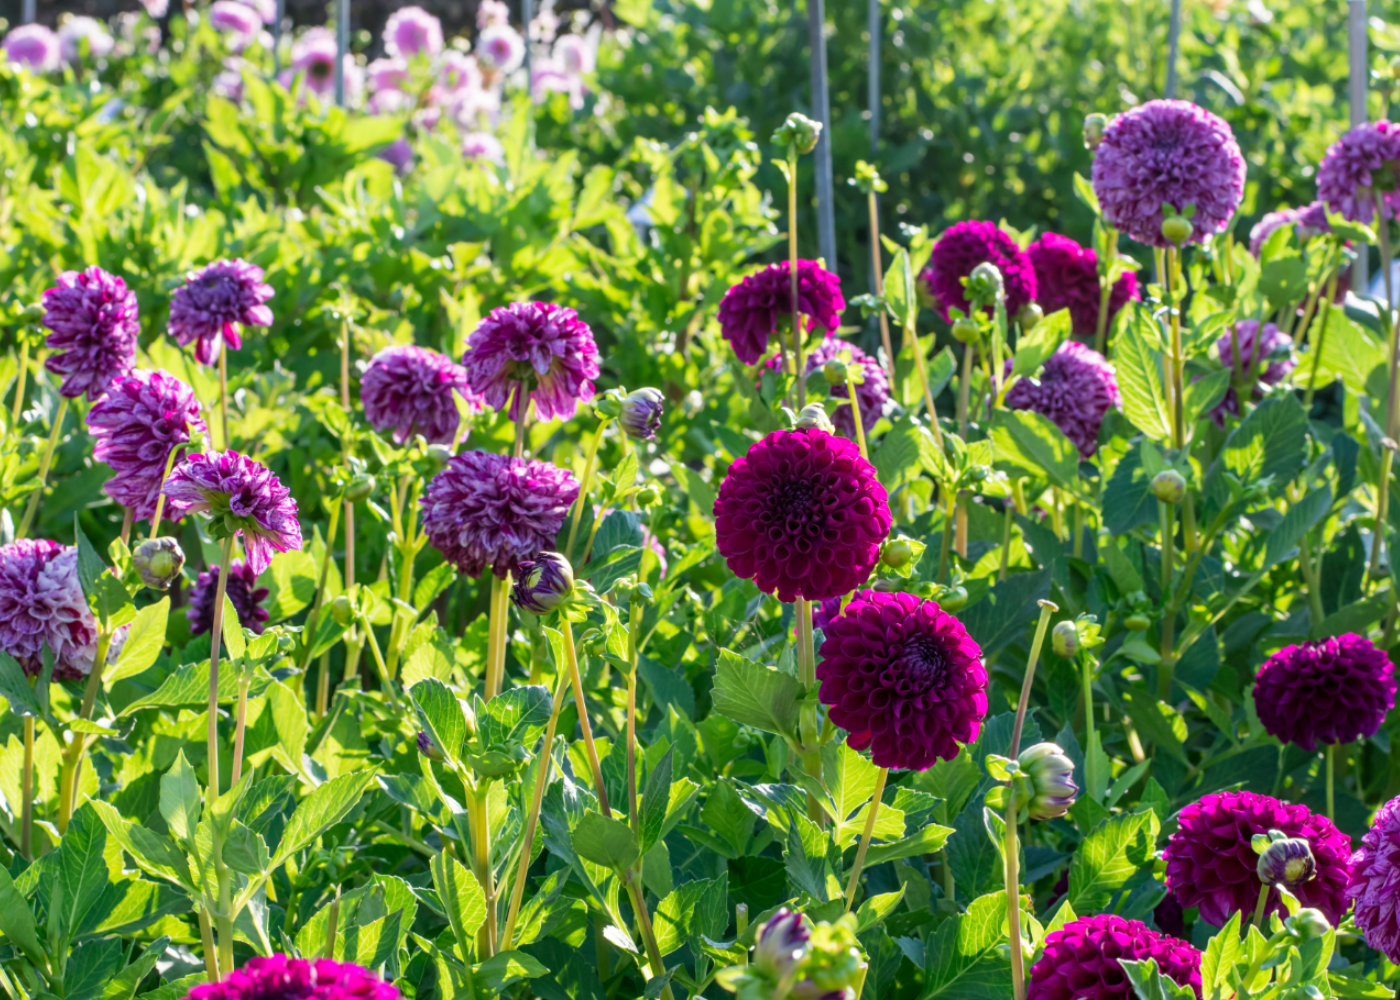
1168 153
34 47
1081 960
412 31
1336 690
281 977
240 496
42 603
1275 360
141 420
902 677
488 510
1211 865
411 391
802 515
1360 164
750 311
870 394
536 347
961 248
1067 277
1075 389
1374 886
243 592
208 309
92 321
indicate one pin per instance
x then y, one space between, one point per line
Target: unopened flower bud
966 330
158 561
1287 861
641 414
813 417
1030 316
834 371
1094 125
833 960
545 583
342 610
1051 777
1064 640
800 132
470 718
439 454
1308 924
954 599
286 644
359 488
868 179
897 553
1177 229
648 496
1169 486
782 944
1136 623
428 748
985 282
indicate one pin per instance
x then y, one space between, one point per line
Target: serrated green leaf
605 841
1028 444
1109 856
144 640
755 695
461 898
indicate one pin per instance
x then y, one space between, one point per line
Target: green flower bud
609 406
158 561
1287 861
985 282
438 454
1177 229
867 178
1030 316
470 718
833 956
648 496
359 488
1169 486
813 417
954 600
966 330
1051 777
800 132
1136 623
342 610
897 553
834 371
1308 924
1064 640
1094 126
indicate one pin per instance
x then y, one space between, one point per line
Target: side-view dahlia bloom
281 977
1374 886
1312 220
1081 960
313 58
243 592
1271 223
1274 353
1356 167
143 417
870 394
1075 389
34 47
802 515
750 311
42 603
960 249
241 496
1212 866
902 677
92 321
1067 277
208 309
540 348
411 391
412 31
487 510
1168 153
237 20
1336 690
483 146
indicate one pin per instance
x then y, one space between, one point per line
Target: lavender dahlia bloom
1312 220
1336 690
1360 164
412 31
1374 885
1067 277
1273 353
483 146
1270 224
1173 153
960 249
802 515
536 347
1081 960
243 592
93 326
411 390
1075 389
1211 863
42 603
143 417
500 49
208 309
750 311
281 977
487 510
77 33
904 678
313 57
34 47
241 496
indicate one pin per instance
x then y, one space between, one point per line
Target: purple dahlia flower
1211 864
802 515
1358 165
242 496
960 249
208 309
538 347
410 390
92 322
870 394
412 31
34 47
902 677
1075 389
78 32
1081 960
236 19
1312 221
1374 886
141 420
500 49
487 510
1169 916
42 603
243 592
781 945
1333 691
1272 223
1067 277
483 146
1168 153
750 311
281 977
1275 358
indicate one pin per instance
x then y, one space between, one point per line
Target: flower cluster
34 47
42 604
538 348
214 302
242 497
1067 277
1075 389
92 321
958 252
1332 691
411 390
241 587
750 311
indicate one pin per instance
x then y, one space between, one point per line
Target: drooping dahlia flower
411 391
214 302
534 347
1274 357
904 678
1212 865
281 977
1359 166
1081 960
1067 277
488 510
1168 153
243 592
1075 389
34 47
241 496
750 311
92 321
42 603
802 515
1374 886
143 417
412 31
960 249
1333 691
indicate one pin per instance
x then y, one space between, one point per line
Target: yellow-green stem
45 463
1101 331
1008 513
865 836
481 861
1013 896
571 661
240 719
26 834
945 542
913 337
20 377
73 756
965 389
1047 608
215 639
211 953
224 920
860 424
807 713
223 392
1317 347
797 333
1331 781
584 487
1091 764
639 908
1259 906
634 625
880 284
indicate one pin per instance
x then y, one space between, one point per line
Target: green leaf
1109 856
1350 353
441 715
515 716
507 967
929 839
755 695
1028 444
181 799
290 723
961 962
605 841
189 687
656 800
674 915
1205 394
292 583
123 985
16 920
1218 960
83 872
152 852
461 897
90 967
1271 441
1149 983
877 908
245 851
231 630
1346 988
897 457
144 640
1284 280
900 290
322 809
1045 337
1140 374
1128 502
16 689
1299 519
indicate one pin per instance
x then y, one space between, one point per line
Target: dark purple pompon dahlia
1168 153
540 345
41 602
802 515
92 321
243 592
281 977
960 249
871 394
1067 277
208 309
1075 389
1358 165
242 494
487 510
409 390
902 677
1374 887
144 416
750 311
1081 960
1333 691
1212 866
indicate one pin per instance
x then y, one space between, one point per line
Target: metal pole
276 38
342 47
873 80
1173 48
821 111
1358 60
26 12
527 14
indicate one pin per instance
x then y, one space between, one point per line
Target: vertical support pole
277 38
873 78
27 12
342 47
1358 60
527 14
821 111
1173 48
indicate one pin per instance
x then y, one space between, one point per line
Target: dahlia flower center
921 664
320 70
793 501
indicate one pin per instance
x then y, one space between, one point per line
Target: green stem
1331 756
1260 905
639 908
215 639
865 836
965 389
1310 580
385 680
45 462
309 632
1321 341
879 272
18 408
807 713
211 953
1008 513
1168 626
1047 608
497 633
481 860
1013 893
571 662
584 487
223 392
73 758
912 336
240 719
634 625
860 424
26 834
945 542
1091 777
797 332
1105 294
223 921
